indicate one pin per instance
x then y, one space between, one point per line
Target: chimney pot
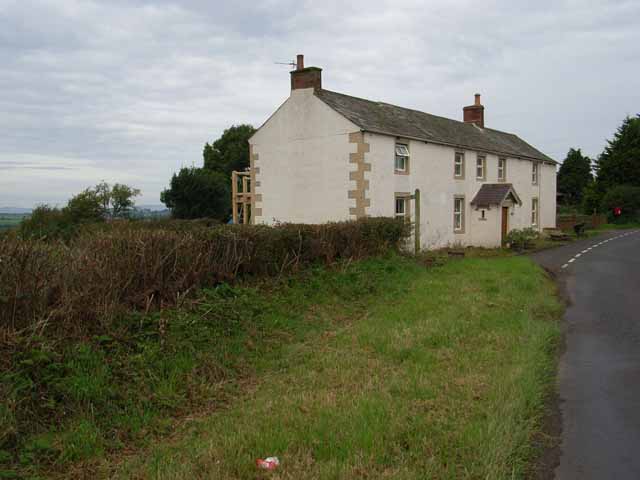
477 101
299 62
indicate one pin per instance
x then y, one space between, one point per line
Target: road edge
547 441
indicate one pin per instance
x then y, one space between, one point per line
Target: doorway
505 223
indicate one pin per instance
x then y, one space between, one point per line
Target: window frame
406 158
481 161
456 155
502 168
535 173
459 199
404 197
535 212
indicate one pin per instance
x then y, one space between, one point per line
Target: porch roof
494 194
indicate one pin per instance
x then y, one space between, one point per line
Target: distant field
10 220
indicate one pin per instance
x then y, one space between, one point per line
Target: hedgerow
94 354
81 285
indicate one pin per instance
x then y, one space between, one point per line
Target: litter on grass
269 463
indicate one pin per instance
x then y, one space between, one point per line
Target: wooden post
416 228
234 196
245 200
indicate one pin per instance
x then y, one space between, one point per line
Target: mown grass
385 370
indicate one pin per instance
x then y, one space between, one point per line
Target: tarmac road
599 373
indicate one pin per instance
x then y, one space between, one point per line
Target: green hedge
80 286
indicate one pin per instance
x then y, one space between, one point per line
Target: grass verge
383 370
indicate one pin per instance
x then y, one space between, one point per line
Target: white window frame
401 200
481 163
534 173
401 154
502 169
535 208
458 160
458 214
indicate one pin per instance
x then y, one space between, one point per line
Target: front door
505 223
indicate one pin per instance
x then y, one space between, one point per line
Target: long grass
430 373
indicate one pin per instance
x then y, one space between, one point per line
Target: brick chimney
474 113
301 77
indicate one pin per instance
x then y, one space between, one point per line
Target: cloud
129 91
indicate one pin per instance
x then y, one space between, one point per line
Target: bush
82 286
46 222
627 198
522 239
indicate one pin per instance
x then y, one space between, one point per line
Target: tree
230 152
198 193
103 191
92 205
206 192
574 175
121 198
625 197
591 198
85 207
619 164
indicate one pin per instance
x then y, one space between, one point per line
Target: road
599 373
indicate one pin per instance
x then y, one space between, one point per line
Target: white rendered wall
303 157
431 170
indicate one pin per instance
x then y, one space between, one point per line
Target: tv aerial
291 64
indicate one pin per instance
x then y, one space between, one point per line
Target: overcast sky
129 91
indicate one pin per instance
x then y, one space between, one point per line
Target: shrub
627 198
522 239
82 286
46 222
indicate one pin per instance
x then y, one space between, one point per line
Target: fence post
416 234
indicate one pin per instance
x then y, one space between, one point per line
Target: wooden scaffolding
241 196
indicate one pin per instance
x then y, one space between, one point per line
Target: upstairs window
481 163
502 169
402 158
534 212
534 173
458 165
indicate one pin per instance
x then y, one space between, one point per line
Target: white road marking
578 255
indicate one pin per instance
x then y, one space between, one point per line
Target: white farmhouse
324 156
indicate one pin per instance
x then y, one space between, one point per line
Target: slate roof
494 194
384 118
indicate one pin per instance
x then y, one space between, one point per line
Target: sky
130 91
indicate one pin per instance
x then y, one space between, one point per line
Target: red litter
269 463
